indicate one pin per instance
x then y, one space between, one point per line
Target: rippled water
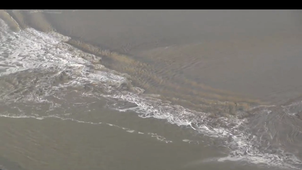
42 76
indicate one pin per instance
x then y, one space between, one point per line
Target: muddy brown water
150 90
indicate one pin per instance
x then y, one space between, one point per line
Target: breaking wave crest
42 68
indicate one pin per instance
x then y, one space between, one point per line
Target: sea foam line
128 130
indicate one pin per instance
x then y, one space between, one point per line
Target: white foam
160 138
190 141
31 50
263 159
293 108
